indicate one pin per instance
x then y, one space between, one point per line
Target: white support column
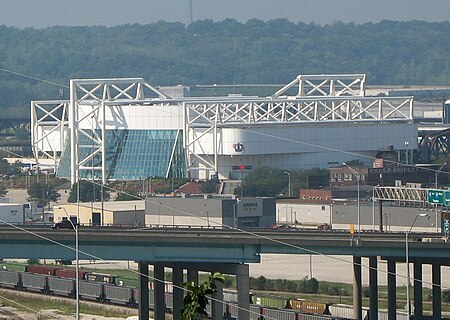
243 288
301 87
177 278
103 142
217 303
332 87
159 303
215 149
73 117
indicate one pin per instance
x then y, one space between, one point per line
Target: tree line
225 52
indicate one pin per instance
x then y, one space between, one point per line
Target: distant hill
227 52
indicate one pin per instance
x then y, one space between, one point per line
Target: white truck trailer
11 213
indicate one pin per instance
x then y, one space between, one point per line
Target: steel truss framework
402 194
326 85
48 118
205 118
100 94
207 115
434 146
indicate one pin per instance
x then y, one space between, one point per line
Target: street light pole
77 264
358 178
407 151
289 183
150 191
408 303
436 186
436 175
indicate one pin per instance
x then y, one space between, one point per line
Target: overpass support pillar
192 275
418 302
357 288
380 214
243 288
177 274
373 284
217 303
436 291
160 305
392 290
143 289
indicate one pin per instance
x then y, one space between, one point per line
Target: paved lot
297 267
331 268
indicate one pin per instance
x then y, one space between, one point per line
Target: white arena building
125 129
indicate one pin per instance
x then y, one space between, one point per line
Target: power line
247 232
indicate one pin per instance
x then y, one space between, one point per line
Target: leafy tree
354 163
446 295
22 133
259 283
42 193
195 301
312 286
382 53
3 191
209 186
263 182
89 191
127 196
9 169
33 261
269 182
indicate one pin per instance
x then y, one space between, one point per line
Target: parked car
325 226
64 224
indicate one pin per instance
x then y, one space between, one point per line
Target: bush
446 295
164 190
33 261
312 285
333 290
209 186
260 283
366 292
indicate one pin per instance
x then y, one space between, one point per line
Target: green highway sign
436 196
447 198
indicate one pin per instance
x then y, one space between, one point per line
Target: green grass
130 278
36 304
13 266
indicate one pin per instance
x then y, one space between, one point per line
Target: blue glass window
132 155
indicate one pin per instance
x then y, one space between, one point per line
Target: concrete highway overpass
228 251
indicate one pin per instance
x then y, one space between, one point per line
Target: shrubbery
332 289
446 295
283 285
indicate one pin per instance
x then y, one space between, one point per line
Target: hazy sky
43 13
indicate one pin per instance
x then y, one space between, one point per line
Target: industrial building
210 211
125 213
126 129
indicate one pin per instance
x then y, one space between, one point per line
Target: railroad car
122 295
33 282
309 306
41 269
91 290
119 294
271 301
9 279
100 277
69 273
61 286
